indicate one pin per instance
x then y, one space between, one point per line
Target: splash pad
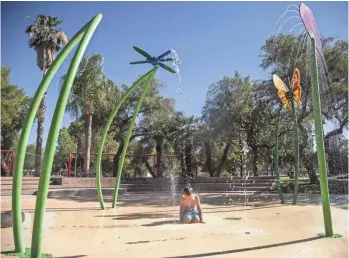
146 225
84 35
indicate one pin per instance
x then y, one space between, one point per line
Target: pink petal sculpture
310 25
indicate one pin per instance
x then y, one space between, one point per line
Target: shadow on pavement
248 249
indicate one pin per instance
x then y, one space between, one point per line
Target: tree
155 126
338 155
183 134
46 39
66 145
152 102
336 56
29 162
14 107
227 102
76 132
88 95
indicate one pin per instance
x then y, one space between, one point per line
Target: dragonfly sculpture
146 83
155 61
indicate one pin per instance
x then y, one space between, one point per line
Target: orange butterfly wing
296 86
283 97
282 90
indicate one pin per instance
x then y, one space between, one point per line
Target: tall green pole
23 140
105 132
296 151
319 132
129 133
276 157
50 149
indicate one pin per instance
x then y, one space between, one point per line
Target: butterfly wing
282 90
283 97
296 86
279 84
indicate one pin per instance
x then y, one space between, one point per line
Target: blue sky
213 40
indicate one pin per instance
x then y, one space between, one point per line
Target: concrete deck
147 226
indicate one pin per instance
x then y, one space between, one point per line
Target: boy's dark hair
188 190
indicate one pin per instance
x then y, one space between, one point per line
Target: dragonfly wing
140 62
164 54
166 59
296 86
142 52
279 84
167 68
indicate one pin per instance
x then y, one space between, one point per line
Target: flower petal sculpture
310 25
316 47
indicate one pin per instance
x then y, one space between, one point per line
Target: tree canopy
234 135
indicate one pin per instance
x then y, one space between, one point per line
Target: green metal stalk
50 149
296 152
129 133
276 158
326 209
105 132
23 140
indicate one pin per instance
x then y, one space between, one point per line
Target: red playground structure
10 158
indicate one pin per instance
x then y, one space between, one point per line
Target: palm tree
89 95
46 39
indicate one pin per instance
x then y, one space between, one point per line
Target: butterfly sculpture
283 91
155 60
287 95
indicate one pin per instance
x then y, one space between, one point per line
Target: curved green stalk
23 140
53 138
296 153
276 157
106 129
129 133
326 208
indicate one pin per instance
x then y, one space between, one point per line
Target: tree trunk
40 135
182 160
4 168
240 152
40 130
270 161
88 129
150 169
308 160
208 158
159 159
116 158
329 135
223 160
254 161
75 164
77 155
309 164
188 159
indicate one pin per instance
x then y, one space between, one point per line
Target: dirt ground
146 225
